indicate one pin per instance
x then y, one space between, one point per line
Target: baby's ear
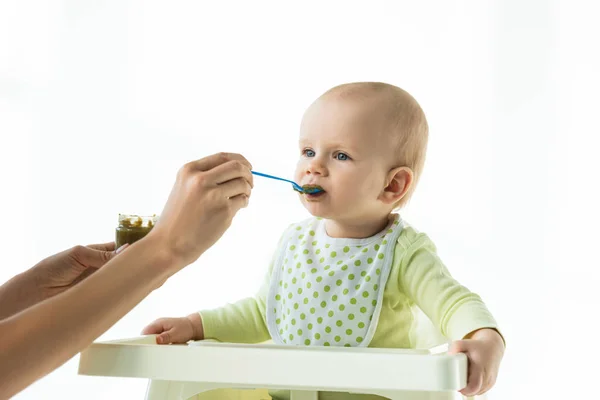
398 182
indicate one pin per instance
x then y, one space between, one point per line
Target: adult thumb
96 258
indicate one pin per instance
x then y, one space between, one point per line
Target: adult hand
64 270
52 276
206 196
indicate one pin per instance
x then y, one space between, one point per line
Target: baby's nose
315 167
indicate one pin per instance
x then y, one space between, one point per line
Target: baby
356 274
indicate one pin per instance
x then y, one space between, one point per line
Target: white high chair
179 372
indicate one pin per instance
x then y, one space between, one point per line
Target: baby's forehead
354 129
353 115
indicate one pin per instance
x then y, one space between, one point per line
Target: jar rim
137 221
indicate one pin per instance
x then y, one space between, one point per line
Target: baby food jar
133 227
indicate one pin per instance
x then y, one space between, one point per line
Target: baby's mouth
312 189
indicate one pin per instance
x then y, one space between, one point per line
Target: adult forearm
19 293
62 326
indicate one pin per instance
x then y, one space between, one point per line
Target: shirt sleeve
243 321
454 309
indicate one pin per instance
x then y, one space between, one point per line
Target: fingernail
120 249
158 340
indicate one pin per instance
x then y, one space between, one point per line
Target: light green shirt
422 305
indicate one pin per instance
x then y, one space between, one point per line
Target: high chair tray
277 367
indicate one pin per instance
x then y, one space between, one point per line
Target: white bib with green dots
327 291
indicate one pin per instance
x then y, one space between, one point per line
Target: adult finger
236 187
90 257
210 162
229 171
240 201
110 246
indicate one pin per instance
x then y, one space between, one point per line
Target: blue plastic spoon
297 187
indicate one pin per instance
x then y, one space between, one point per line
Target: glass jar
133 228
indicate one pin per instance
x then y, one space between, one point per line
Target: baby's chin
318 209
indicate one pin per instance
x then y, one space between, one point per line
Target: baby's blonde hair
406 121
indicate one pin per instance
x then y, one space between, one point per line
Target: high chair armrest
145 339
358 370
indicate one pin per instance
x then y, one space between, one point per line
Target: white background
102 101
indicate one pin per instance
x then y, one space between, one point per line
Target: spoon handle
277 178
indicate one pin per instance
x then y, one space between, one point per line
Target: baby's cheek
348 197
365 189
298 174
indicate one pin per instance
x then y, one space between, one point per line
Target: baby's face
346 150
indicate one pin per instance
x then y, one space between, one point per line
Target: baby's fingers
474 381
165 338
154 328
172 336
488 383
475 374
458 346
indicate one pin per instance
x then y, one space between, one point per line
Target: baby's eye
309 153
342 157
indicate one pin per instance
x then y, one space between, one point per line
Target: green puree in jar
133 228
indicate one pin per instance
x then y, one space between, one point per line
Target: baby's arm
459 314
240 322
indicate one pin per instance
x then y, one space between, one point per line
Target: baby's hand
484 349
171 330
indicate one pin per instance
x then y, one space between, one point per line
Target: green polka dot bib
327 291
